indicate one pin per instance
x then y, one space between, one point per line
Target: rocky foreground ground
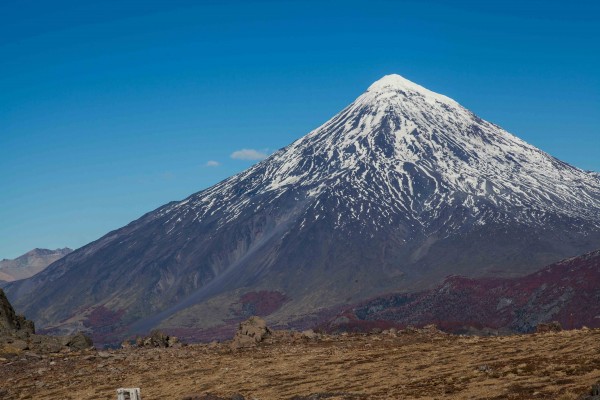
410 364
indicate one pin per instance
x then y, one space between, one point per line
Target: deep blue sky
109 110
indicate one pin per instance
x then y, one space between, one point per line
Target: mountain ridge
30 263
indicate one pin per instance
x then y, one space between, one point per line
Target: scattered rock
485 368
156 339
79 341
50 344
250 333
17 345
309 334
25 325
173 341
17 334
10 321
553 326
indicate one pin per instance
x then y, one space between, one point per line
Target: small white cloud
212 163
248 154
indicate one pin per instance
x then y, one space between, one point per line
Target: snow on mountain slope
402 149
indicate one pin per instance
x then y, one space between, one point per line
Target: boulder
157 339
47 344
250 333
79 341
409 330
309 334
14 346
24 325
173 341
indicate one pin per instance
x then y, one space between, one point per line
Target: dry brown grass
410 366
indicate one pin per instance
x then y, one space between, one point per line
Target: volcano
401 189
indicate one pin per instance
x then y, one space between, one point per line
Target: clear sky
109 109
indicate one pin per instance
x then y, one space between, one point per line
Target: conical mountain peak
400 189
401 149
394 83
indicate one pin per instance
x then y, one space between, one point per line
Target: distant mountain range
29 263
396 192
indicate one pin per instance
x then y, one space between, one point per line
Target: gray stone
309 334
173 341
250 332
79 341
157 339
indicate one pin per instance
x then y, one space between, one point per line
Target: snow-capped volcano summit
400 189
402 151
395 82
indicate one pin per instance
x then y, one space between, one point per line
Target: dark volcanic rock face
567 292
399 190
10 321
17 334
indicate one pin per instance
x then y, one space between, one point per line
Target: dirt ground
559 366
